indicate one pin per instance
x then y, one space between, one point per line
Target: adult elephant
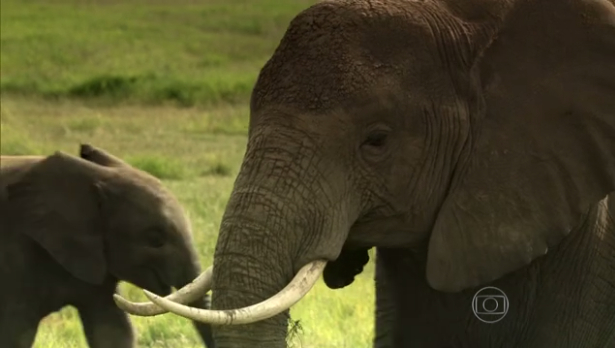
472 142
71 228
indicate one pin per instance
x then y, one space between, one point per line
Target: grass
163 84
184 52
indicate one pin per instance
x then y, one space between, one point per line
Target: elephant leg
105 325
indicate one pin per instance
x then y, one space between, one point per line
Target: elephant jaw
301 284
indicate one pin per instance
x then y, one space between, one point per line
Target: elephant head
470 134
103 220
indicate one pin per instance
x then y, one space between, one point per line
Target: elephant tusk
187 294
301 284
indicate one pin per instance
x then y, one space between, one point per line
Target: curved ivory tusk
188 294
283 300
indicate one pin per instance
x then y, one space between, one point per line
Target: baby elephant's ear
56 204
100 156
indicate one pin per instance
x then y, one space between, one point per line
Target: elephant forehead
156 206
313 81
337 53
148 192
155 194
177 217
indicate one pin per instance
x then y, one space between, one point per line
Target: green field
163 84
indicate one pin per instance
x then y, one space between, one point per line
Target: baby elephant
71 228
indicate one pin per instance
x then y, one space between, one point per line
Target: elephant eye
377 139
375 146
155 238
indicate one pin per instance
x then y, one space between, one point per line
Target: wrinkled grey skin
71 228
470 142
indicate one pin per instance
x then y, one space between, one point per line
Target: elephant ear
56 204
100 156
543 151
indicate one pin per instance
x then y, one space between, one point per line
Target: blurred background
164 84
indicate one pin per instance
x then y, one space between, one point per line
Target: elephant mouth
158 284
342 272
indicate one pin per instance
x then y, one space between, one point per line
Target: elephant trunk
249 268
285 212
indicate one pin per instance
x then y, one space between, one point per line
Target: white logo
490 304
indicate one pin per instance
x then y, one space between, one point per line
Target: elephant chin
159 288
164 291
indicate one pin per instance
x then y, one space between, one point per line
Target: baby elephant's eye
155 238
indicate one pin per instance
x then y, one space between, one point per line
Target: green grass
158 140
185 52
